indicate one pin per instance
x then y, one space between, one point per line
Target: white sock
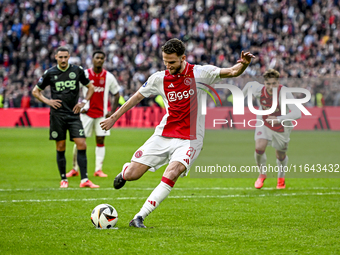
84 180
282 164
261 160
156 197
100 155
75 153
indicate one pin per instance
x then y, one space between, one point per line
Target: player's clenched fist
107 123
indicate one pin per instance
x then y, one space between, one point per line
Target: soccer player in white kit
178 139
272 132
96 110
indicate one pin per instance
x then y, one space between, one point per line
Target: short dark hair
271 73
98 52
63 48
174 46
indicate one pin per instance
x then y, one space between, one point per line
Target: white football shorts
91 124
159 150
278 140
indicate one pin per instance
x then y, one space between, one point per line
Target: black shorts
60 123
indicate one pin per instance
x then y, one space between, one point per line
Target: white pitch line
171 197
194 188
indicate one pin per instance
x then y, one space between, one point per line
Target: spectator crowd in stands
299 38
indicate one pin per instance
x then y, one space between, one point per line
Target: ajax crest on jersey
104 216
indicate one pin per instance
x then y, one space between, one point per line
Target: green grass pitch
201 215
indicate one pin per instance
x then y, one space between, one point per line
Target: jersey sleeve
44 81
114 87
208 74
150 87
86 72
254 86
84 80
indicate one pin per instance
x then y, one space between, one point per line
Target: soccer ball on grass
104 216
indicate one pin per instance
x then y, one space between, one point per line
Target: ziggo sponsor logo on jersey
99 89
62 85
173 96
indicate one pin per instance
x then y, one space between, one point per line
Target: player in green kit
64 80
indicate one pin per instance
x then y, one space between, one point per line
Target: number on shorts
81 132
191 152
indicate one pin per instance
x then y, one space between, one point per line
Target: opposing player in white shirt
96 110
272 132
178 139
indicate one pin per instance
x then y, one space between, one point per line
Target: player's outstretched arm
55 103
133 101
239 68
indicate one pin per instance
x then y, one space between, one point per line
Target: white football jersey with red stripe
184 95
103 83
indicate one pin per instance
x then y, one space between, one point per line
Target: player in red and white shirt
178 139
272 132
96 110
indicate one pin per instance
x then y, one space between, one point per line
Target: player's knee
281 158
100 140
81 147
61 146
280 155
81 144
261 144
